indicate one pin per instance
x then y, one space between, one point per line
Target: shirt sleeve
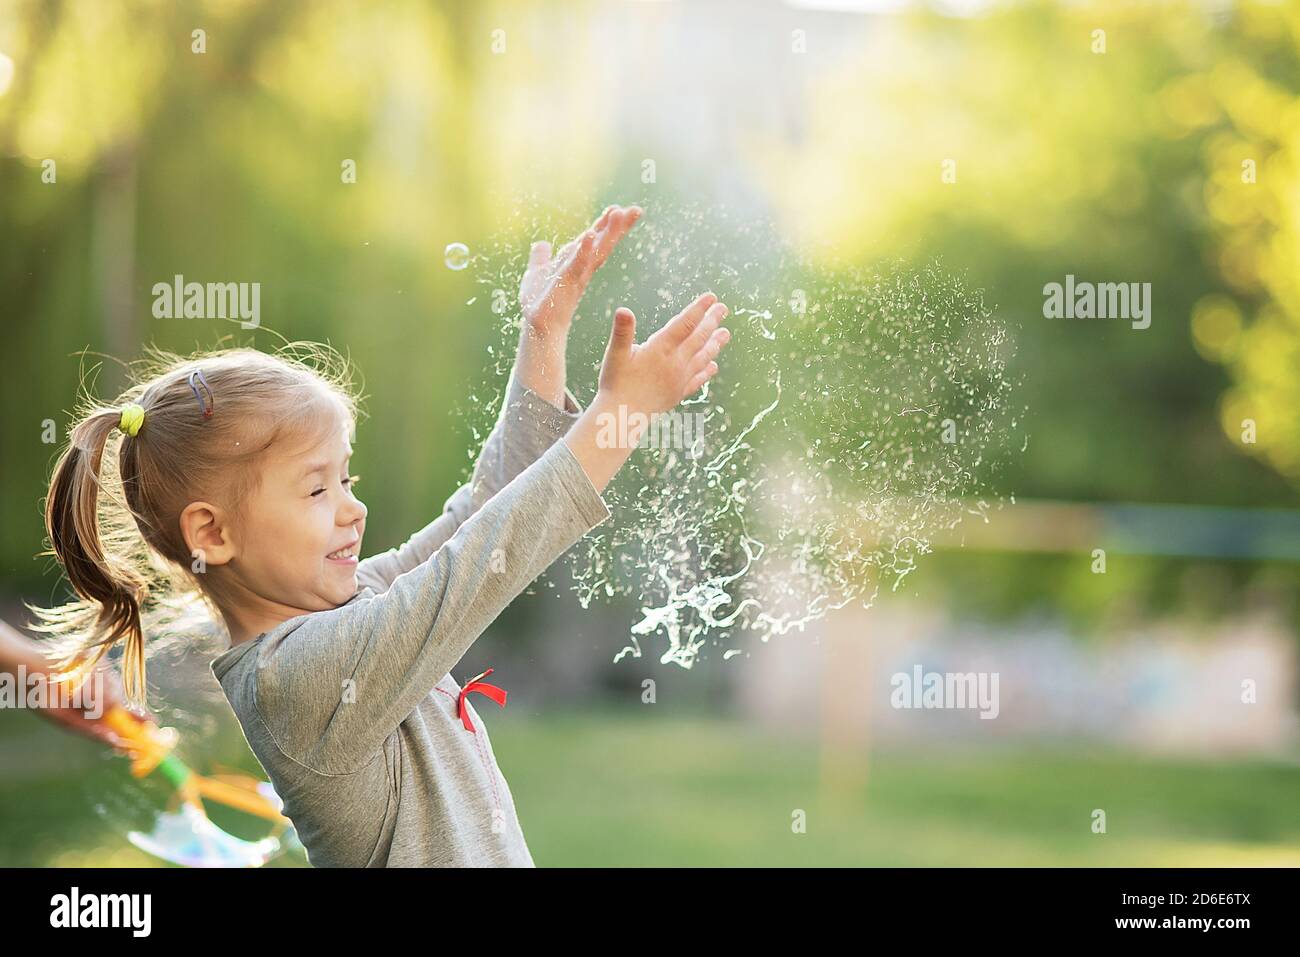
333 686
527 426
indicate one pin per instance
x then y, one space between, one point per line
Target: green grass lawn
631 789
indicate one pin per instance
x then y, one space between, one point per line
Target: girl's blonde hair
116 529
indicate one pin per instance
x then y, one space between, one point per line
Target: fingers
709 351
76 720
539 254
621 217
681 326
105 734
710 347
613 225
712 319
623 334
701 377
581 259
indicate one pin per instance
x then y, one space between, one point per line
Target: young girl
233 467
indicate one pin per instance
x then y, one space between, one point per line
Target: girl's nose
353 511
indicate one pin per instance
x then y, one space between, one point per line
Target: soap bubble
827 469
456 256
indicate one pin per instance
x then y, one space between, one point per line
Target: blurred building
1157 689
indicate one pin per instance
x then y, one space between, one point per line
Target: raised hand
637 381
671 364
552 285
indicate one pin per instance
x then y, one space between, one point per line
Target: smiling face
301 528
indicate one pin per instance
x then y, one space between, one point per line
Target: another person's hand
553 285
16 650
77 719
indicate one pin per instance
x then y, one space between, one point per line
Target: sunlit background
1014 142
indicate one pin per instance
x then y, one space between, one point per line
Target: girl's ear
207 533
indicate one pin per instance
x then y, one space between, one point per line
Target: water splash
858 413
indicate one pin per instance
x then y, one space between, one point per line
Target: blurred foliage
1122 166
1118 166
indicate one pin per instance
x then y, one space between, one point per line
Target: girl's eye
348 482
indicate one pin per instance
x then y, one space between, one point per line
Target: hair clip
204 404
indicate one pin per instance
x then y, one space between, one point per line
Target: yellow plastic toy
186 836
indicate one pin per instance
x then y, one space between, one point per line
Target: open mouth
345 556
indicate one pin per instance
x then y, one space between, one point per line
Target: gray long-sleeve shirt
353 712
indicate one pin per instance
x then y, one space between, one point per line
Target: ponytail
111 588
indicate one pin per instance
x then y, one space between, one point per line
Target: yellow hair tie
132 419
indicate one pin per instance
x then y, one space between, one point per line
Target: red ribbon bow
492 691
